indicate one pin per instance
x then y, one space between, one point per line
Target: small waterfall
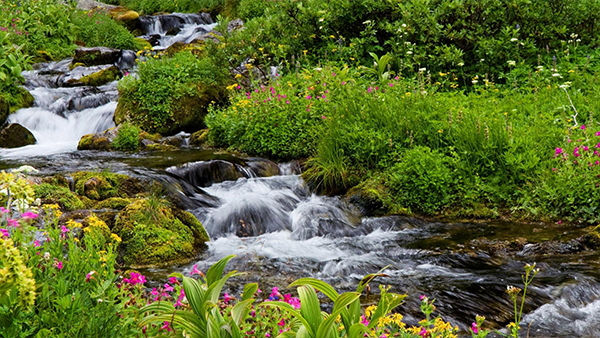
166 30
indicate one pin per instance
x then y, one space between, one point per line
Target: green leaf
249 290
237 312
325 288
215 272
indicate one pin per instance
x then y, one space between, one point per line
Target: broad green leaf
323 287
311 308
249 290
215 272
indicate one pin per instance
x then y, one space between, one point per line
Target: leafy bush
128 137
423 180
98 29
170 93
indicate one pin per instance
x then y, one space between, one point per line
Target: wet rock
95 56
101 186
155 234
127 59
173 31
15 136
498 247
552 248
90 76
160 147
207 173
263 167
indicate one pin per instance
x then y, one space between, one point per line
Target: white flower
46 255
422 69
409 52
403 25
556 75
514 39
511 63
481 60
474 81
578 40
540 67
460 64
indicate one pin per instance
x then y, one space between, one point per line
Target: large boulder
90 76
98 141
154 234
15 136
94 56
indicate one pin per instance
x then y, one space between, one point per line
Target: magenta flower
3 210
173 280
333 74
135 278
64 229
558 151
396 78
154 292
59 265
287 102
343 82
559 222
364 320
391 84
474 328
13 222
4 232
585 148
597 133
227 298
168 288
89 276
323 117
195 271
307 109
369 90
553 169
583 127
166 327
309 97
423 332
281 323
180 298
36 243
422 297
267 335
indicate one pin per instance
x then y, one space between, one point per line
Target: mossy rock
15 136
56 194
148 136
114 203
102 77
372 197
57 180
94 142
153 235
592 238
96 56
142 43
199 138
160 147
129 19
101 186
188 112
75 65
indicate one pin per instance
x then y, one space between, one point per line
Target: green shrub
423 180
99 29
171 93
128 138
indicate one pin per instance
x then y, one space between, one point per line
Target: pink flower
287 102
195 271
168 288
333 74
59 265
173 280
307 109
343 82
154 292
227 298
3 210
559 222
364 320
323 117
553 169
309 97
583 127
597 133
585 148
135 278
474 328
180 298
391 84
396 78
281 323
369 90
422 297
64 229
29 215
89 275
267 335
166 327
423 332
558 151
376 88
12 222
36 243
4 233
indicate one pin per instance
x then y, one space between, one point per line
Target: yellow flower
232 87
305 51
441 131
237 76
332 36
115 238
261 49
571 71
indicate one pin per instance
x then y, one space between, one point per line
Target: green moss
160 147
373 196
153 235
100 186
116 203
51 194
102 77
199 138
142 43
58 180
